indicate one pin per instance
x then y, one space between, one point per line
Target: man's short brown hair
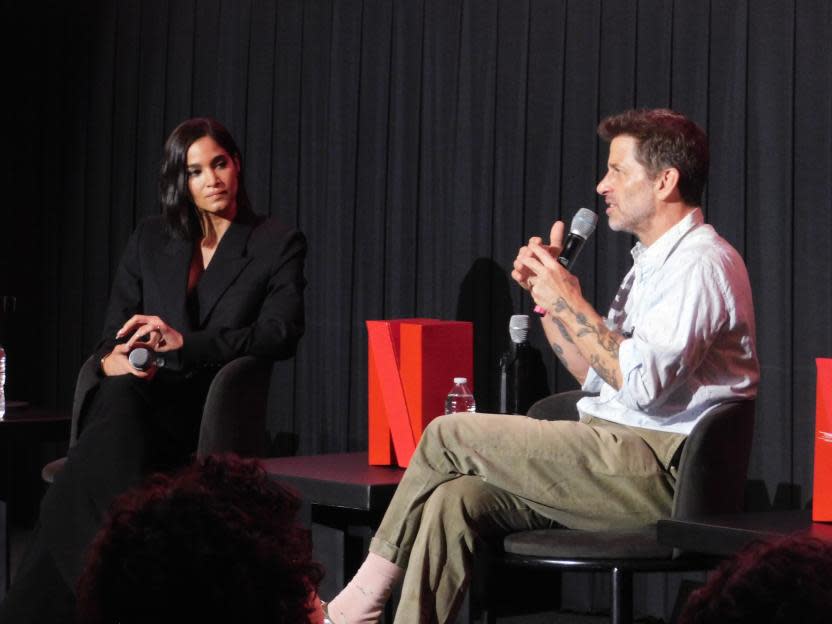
665 139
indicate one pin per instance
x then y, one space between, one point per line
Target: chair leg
686 588
621 603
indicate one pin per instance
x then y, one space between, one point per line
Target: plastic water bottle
460 398
2 382
516 387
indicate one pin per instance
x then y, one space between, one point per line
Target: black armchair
711 479
233 418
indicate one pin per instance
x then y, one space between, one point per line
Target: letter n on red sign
412 363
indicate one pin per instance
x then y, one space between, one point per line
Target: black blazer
250 298
250 301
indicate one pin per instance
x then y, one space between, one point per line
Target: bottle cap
460 380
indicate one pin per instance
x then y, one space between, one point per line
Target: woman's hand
116 363
148 331
152 332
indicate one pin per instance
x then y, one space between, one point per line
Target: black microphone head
581 228
583 223
141 358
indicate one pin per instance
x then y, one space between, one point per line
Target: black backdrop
417 144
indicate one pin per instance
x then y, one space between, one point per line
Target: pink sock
363 599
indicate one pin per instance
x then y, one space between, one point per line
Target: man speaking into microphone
679 339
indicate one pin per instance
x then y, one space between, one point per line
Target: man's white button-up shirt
686 309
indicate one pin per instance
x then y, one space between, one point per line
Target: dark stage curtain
417 144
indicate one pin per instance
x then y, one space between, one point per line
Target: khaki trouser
478 476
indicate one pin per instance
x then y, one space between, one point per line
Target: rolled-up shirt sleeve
685 309
672 337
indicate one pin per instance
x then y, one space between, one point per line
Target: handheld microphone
142 358
582 226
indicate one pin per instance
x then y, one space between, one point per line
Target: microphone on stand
582 226
142 358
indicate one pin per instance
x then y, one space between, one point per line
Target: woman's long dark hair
178 208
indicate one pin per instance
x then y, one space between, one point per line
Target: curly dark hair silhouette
786 581
216 542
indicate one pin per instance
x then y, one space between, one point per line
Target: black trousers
133 428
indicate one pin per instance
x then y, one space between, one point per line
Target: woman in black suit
205 282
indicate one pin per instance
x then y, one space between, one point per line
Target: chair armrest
234 416
560 406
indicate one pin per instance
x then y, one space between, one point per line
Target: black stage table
344 500
21 430
725 535
338 480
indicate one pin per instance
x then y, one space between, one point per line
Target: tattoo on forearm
562 357
562 329
605 338
605 364
604 373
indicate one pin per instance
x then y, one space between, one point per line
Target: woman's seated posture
217 542
204 283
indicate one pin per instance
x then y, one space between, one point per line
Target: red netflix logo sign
412 363
822 495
